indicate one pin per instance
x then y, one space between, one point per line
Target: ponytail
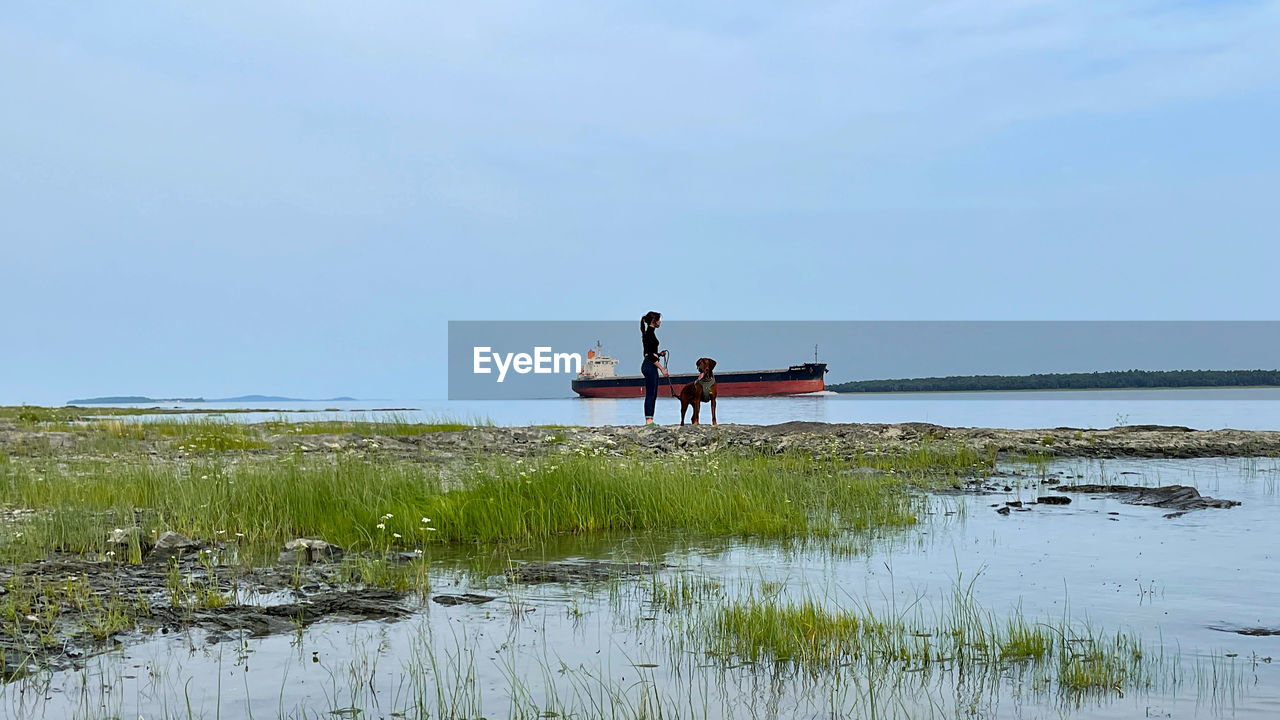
648 318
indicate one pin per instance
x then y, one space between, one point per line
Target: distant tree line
1115 379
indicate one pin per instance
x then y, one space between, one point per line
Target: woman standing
651 365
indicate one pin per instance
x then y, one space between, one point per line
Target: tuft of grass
1102 664
401 575
806 635
683 592
1024 641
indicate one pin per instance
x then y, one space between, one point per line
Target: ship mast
815 353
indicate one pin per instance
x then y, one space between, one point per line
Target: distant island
132 399
1111 380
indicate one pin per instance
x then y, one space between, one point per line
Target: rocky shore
840 440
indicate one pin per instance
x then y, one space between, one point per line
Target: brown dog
692 393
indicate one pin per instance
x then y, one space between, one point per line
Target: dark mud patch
578 571
1182 498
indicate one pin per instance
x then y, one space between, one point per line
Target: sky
295 198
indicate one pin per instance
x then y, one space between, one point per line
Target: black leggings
650 371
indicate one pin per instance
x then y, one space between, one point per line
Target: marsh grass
1089 662
31 608
683 592
69 413
201 435
399 574
199 431
762 496
385 424
930 464
808 636
364 505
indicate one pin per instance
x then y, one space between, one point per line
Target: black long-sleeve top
650 339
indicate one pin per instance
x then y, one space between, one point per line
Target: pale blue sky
225 198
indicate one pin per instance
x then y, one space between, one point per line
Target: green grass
362 504
198 434
30 609
389 425
124 423
930 463
32 415
807 635
1090 663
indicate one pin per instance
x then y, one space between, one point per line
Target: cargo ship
597 379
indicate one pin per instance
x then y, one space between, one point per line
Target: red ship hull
777 387
805 378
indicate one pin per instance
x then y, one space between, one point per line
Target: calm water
596 647
1241 408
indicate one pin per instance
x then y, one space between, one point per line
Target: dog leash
668 370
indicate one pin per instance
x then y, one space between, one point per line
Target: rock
1173 497
1250 631
1054 500
1003 511
308 550
170 545
126 537
463 599
1014 503
580 571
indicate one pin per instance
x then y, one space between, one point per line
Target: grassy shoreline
398 496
